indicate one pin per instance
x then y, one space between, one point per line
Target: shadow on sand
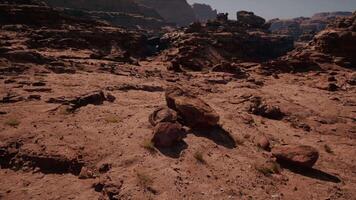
217 134
312 173
175 151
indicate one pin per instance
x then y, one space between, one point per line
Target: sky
270 9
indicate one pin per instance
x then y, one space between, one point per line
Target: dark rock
250 20
163 115
332 87
110 98
259 107
11 98
38 84
104 168
299 156
231 68
38 89
194 27
166 134
193 111
34 97
9 81
95 98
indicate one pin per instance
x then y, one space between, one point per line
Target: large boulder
193 111
166 134
296 155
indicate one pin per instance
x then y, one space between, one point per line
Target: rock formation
332 45
203 46
204 12
89 110
304 28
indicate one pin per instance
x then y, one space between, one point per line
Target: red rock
163 115
166 134
194 112
264 143
297 155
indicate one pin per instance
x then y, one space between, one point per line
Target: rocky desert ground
217 110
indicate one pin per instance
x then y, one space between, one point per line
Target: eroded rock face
338 40
296 155
194 112
304 28
202 46
166 134
334 45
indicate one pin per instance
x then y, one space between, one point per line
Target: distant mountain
177 11
204 12
304 28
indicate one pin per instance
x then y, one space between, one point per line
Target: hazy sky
280 8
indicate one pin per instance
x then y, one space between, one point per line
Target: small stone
104 168
34 97
110 98
264 143
86 173
332 87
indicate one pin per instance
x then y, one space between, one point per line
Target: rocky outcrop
204 12
333 45
43 27
176 11
303 28
202 46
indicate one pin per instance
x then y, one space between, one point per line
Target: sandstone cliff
303 28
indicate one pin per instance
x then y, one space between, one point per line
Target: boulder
296 155
166 134
163 115
193 111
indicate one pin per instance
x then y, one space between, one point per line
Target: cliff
303 28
